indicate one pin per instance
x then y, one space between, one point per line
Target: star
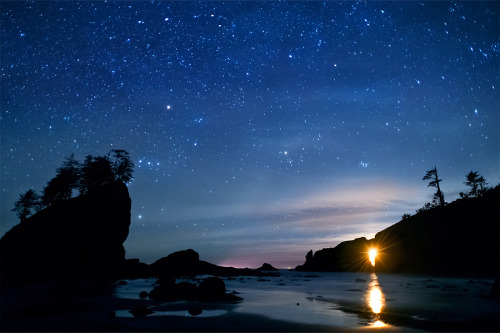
263 102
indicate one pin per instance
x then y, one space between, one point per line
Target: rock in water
212 287
141 311
80 235
194 311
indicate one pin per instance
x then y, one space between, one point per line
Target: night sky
259 130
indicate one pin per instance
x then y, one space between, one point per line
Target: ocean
352 300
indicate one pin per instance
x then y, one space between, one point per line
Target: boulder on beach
174 291
211 287
141 311
161 292
195 310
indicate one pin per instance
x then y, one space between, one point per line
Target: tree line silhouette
474 180
93 173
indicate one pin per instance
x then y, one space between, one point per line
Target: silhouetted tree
123 167
432 175
56 190
427 206
71 174
62 185
482 185
95 172
83 183
50 193
476 182
27 203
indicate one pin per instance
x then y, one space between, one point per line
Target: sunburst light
372 254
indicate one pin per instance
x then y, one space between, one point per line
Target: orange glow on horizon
372 254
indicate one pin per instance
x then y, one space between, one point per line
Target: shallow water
180 313
354 300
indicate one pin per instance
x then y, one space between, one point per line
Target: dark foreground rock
82 235
210 289
174 291
461 238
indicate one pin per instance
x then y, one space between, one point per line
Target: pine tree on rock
27 204
476 182
123 167
432 175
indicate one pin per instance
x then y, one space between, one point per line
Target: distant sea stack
188 263
460 239
80 235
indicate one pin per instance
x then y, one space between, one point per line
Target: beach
294 301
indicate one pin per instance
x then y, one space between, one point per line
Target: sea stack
82 235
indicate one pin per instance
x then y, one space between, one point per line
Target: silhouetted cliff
461 238
80 235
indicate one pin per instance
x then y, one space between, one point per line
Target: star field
259 130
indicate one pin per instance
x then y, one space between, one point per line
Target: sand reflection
376 301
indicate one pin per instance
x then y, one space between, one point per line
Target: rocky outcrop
267 267
350 256
461 238
187 263
80 235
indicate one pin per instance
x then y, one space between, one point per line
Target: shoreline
336 301
98 314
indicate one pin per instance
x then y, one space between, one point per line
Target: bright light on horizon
372 253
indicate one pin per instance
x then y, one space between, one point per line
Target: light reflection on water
376 301
351 300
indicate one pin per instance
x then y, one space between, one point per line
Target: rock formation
80 235
187 263
179 263
347 256
267 267
461 238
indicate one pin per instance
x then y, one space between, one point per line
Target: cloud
282 231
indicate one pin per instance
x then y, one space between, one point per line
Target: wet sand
34 309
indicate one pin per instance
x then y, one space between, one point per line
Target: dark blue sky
259 130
